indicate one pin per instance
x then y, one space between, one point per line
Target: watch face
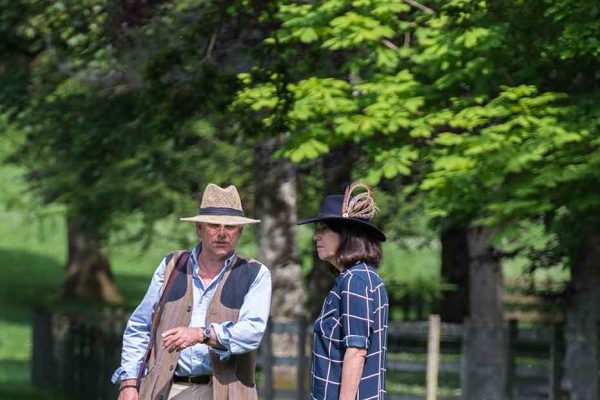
207 334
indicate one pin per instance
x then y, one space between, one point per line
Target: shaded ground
27 277
15 384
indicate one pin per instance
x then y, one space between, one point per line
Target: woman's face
327 242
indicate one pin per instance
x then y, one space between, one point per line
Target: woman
349 341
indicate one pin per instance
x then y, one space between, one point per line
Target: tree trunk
275 182
581 331
88 269
276 206
485 352
455 271
337 166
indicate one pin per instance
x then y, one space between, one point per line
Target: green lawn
31 270
32 257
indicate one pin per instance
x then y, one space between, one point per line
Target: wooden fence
75 354
79 356
525 299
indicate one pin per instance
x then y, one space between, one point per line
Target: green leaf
308 150
307 35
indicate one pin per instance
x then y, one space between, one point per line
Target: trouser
191 391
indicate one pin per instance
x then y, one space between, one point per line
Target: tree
324 94
275 181
115 118
492 105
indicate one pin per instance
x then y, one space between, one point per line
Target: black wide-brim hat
331 211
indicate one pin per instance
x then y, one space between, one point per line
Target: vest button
170 368
189 308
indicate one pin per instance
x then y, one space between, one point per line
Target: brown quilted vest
233 378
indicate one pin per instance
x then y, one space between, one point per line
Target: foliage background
461 112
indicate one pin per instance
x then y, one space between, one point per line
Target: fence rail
79 355
524 299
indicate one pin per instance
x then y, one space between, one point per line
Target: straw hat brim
221 219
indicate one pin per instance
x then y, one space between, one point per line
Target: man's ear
198 228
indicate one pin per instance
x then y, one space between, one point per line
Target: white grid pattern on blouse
354 314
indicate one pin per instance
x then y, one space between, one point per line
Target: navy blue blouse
355 314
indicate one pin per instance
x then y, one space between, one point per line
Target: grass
32 258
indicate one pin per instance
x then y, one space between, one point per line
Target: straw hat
221 206
350 209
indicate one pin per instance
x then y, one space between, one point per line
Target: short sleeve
355 310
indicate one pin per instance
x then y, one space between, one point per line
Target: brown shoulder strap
173 269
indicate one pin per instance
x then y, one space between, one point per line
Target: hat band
322 215
221 211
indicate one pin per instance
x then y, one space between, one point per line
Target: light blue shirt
237 337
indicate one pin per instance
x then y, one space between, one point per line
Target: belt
198 379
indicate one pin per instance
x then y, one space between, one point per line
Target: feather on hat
350 208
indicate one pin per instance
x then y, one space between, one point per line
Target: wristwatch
207 334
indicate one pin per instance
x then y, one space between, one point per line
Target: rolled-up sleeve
137 332
246 334
355 312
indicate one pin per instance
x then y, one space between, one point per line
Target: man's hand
177 339
128 394
128 390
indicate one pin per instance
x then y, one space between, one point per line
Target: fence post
113 327
511 376
69 348
76 354
556 359
420 307
78 357
301 360
267 361
433 356
405 303
42 360
92 357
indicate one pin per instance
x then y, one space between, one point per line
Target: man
205 311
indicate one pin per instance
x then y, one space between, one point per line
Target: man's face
218 241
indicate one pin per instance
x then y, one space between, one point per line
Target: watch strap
206 332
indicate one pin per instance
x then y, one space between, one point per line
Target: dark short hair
355 245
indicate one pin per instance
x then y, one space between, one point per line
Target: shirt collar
198 249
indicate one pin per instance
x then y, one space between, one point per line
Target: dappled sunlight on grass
31 278
15 343
32 261
405 265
